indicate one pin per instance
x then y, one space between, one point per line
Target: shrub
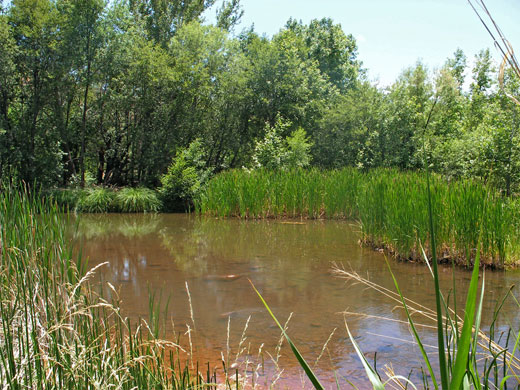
275 152
186 177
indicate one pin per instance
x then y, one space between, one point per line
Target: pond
290 263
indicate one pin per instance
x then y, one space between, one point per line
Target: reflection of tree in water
105 225
188 247
293 251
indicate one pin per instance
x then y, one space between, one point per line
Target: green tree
409 109
186 177
35 142
229 14
164 17
275 152
353 132
457 65
334 51
8 94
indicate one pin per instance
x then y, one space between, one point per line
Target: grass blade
414 330
462 356
371 373
308 371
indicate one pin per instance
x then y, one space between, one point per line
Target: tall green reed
391 207
55 331
466 356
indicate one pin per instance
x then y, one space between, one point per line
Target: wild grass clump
137 200
104 200
66 198
391 207
55 332
96 200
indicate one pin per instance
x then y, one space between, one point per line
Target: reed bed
391 207
55 331
292 194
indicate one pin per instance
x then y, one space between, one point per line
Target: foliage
186 177
96 200
114 90
298 149
274 152
66 199
271 151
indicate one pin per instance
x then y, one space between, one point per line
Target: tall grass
55 332
294 193
467 357
104 200
137 200
391 207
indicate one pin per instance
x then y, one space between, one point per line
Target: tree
352 132
410 105
83 33
334 51
164 17
229 14
34 26
8 93
457 66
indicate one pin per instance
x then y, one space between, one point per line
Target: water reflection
290 263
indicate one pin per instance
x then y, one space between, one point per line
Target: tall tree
335 52
164 17
34 25
83 32
229 14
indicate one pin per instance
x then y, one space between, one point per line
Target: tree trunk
84 118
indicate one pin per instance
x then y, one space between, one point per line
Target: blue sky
394 34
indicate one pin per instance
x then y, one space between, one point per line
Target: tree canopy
113 92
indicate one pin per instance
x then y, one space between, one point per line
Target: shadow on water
290 264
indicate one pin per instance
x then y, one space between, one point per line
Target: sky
394 34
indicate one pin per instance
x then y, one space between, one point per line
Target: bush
186 177
137 200
274 152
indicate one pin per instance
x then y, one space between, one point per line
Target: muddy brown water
290 264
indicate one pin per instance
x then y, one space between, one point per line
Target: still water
290 264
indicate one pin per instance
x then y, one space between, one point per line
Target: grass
137 200
270 194
96 200
55 331
104 200
467 357
391 207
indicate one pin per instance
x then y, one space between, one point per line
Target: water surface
290 263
